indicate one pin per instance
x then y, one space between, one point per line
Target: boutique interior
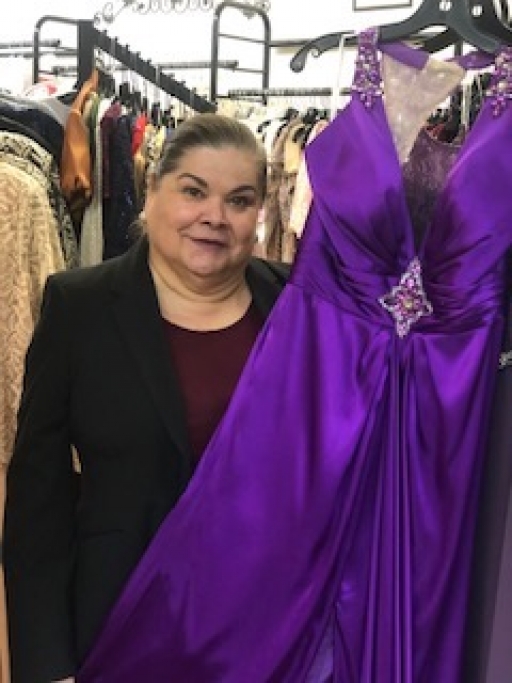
73 73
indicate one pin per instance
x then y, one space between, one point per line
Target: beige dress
30 249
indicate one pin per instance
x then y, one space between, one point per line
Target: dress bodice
370 224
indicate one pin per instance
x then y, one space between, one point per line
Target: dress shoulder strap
367 82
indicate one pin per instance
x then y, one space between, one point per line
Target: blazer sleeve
39 543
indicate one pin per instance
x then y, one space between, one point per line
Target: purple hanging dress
327 533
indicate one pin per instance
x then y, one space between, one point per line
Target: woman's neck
200 305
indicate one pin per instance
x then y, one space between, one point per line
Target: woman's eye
192 191
242 201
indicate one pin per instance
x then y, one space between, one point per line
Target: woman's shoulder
114 273
276 271
84 278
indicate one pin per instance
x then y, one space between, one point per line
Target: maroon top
208 365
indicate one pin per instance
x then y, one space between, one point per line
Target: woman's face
201 218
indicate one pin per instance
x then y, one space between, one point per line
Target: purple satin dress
327 533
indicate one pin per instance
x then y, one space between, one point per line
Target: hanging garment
25 153
329 525
487 652
91 237
120 206
75 169
29 251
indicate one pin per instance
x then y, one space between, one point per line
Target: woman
130 369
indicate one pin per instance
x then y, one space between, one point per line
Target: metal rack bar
72 70
89 38
225 64
221 7
244 39
249 71
21 44
60 52
282 92
37 43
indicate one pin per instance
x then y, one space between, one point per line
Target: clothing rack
90 39
224 64
217 34
282 92
228 64
24 48
21 44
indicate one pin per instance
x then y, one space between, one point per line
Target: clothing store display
329 524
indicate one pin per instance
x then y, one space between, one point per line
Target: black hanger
330 41
318 46
490 22
290 114
483 14
106 83
486 31
453 14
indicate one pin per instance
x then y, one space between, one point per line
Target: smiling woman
158 339
200 220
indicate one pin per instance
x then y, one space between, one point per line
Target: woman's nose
214 211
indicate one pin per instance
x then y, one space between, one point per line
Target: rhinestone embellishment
500 90
407 302
505 360
367 84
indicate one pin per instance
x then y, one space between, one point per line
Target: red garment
138 132
208 365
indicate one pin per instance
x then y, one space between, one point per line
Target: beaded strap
367 83
500 90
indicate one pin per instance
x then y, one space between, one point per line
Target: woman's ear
151 182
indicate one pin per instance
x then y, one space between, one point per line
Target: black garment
98 376
39 125
487 654
120 206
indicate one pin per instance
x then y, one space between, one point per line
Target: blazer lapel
136 311
135 307
266 281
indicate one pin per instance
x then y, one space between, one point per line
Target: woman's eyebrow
243 188
197 179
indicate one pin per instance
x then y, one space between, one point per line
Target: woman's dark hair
212 130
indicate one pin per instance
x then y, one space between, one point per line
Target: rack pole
37 43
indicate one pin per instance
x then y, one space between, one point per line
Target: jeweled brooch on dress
407 302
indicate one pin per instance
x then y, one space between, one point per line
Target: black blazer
98 376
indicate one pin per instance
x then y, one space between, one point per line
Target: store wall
187 36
